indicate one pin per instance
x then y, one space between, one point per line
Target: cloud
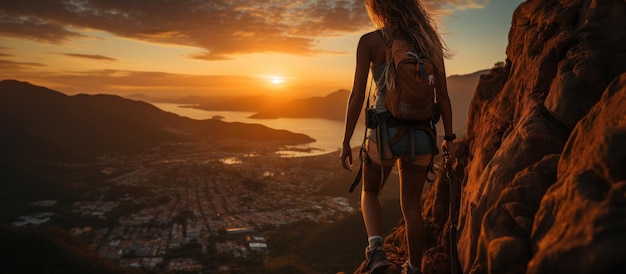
34 28
12 67
88 56
221 28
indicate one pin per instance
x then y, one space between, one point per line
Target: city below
193 206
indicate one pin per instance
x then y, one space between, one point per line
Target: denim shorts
422 141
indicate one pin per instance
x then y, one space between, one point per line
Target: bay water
327 133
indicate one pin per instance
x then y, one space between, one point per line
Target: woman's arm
356 99
445 106
441 87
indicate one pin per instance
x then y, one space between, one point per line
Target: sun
276 80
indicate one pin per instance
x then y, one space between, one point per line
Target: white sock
413 268
375 240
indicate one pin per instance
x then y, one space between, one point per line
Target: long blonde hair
410 18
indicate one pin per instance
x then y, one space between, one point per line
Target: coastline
328 134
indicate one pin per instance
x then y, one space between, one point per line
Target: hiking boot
406 269
376 259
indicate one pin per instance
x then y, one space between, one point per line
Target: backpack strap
382 138
357 179
420 62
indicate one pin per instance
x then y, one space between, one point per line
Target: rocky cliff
544 162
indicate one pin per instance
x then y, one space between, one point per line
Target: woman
393 18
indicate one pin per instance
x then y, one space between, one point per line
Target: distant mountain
142 97
42 124
332 106
232 103
460 87
461 91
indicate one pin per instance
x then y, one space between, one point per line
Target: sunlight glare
276 80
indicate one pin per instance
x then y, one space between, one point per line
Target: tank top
381 91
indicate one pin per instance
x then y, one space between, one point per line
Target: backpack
411 93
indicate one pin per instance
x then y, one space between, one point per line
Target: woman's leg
370 202
412 179
375 256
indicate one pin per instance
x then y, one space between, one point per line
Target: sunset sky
221 47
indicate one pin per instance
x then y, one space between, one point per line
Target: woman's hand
448 151
346 156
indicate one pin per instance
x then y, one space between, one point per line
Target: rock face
544 161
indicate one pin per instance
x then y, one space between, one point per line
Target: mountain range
331 106
43 124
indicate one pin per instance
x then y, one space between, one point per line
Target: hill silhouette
331 106
51 250
251 103
42 124
232 103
